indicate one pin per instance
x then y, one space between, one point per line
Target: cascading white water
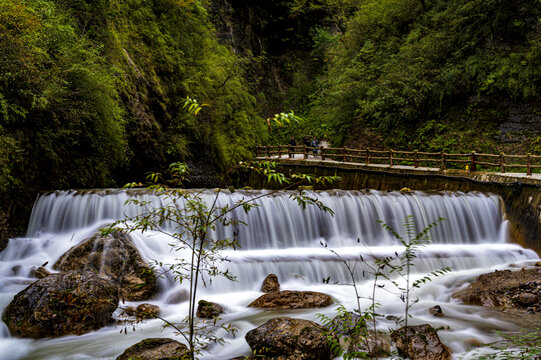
280 238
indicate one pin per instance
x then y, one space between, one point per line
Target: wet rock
208 310
288 299
39 273
16 269
420 343
147 311
74 302
129 311
270 284
346 323
526 299
178 297
155 349
354 337
289 339
115 257
369 343
436 311
473 342
505 289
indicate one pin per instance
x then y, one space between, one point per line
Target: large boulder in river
505 289
74 302
112 256
289 299
289 339
155 349
420 343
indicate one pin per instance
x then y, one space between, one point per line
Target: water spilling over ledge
278 221
280 238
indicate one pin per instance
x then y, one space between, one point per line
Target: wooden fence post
322 149
416 159
344 155
473 159
529 166
502 162
391 158
279 151
304 152
268 151
367 156
257 151
289 151
442 165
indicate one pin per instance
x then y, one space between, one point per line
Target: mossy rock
156 349
74 302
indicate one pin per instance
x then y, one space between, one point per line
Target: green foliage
92 88
523 346
398 65
350 326
166 51
58 99
413 243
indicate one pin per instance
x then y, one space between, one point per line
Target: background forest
91 91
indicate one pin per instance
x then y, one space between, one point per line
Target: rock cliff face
276 43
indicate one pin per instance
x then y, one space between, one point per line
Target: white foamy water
283 239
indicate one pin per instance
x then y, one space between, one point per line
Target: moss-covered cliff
91 91
91 95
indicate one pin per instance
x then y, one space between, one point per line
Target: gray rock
178 297
39 273
289 339
74 302
114 257
208 310
420 343
147 311
155 349
288 299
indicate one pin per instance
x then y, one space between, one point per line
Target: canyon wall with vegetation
92 91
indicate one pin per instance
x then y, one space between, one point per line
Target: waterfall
282 238
278 222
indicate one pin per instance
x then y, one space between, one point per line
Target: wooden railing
471 161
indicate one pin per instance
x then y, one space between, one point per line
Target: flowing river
282 238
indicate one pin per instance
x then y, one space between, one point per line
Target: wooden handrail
393 158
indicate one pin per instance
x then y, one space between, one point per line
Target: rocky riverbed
506 290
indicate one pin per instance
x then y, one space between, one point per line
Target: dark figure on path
315 145
306 141
292 141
